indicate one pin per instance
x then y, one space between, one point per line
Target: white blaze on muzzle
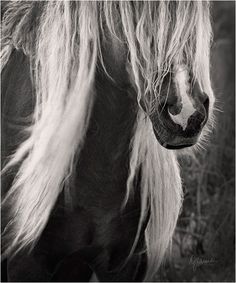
181 78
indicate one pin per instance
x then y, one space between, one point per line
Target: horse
98 100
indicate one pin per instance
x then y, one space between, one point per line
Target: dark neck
104 161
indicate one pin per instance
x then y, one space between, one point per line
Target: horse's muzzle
180 114
172 134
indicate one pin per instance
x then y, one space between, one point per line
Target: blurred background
204 242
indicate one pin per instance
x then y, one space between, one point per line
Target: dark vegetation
203 246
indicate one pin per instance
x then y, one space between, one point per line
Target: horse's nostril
175 109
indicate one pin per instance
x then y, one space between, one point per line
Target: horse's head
167 76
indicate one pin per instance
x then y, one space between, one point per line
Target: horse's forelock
162 34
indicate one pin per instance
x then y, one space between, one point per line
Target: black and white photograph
117 141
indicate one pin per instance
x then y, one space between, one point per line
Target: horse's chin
169 141
172 136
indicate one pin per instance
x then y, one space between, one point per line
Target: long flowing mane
63 40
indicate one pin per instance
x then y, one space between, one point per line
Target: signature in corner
198 261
